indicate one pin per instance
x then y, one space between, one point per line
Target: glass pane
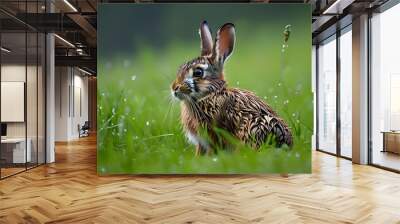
41 98
314 78
385 86
13 86
346 94
327 96
31 100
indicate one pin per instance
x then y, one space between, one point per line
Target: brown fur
208 103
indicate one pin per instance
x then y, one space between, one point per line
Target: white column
50 100
50 92
360 90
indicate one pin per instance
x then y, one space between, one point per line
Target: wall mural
204 89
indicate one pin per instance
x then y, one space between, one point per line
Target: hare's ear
224 43
206 39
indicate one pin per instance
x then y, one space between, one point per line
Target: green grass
139 126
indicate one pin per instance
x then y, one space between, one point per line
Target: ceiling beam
49 22
86 26
320 22
337 6
79 61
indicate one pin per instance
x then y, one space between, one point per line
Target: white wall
80 89
13 101
70 83
62 81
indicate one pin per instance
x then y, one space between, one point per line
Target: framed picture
204 89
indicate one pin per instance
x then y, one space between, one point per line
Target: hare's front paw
198 150
203 150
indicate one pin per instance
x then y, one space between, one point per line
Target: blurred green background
140 49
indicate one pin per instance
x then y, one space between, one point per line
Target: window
22 77
327 95
346 92
335 74
385 89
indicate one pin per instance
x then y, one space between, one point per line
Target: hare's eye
198 72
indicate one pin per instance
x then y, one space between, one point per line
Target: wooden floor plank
69 191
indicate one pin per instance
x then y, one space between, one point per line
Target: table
391 141
16 147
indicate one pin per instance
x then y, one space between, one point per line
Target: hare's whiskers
170 105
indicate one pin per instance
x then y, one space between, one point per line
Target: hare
207 102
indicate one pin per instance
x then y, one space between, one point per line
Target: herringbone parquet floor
69 191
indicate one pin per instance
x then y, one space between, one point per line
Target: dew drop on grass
147 123
124 99
237 83
126 63
299 86
275 97
265 97
125 130
108 65
279 84
113 111
133 78
215 159
297 155
286 102
294 115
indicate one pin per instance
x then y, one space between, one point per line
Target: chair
84 130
